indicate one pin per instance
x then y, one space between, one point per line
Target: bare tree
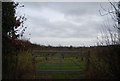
114 12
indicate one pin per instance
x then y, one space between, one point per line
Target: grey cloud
64 29
73 8
81 13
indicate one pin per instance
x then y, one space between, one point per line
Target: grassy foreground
56 67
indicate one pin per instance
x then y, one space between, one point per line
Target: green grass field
57 67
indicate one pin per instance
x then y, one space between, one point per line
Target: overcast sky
63 23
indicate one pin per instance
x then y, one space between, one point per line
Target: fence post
33 61
88 59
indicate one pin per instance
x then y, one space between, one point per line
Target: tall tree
10 24
113 56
